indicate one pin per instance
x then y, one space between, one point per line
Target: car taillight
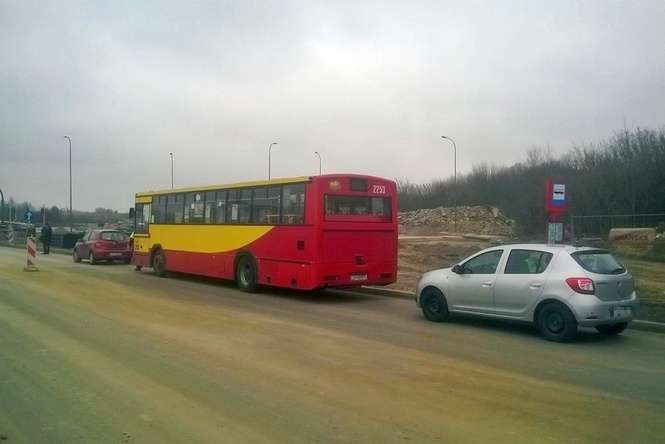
581 285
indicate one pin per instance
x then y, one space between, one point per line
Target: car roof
551 248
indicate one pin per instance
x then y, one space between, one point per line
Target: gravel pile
479 219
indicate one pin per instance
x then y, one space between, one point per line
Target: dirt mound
480 219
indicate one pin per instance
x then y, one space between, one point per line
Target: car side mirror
458 269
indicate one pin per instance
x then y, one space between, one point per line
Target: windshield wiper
618 270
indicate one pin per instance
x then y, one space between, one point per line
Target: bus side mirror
131 213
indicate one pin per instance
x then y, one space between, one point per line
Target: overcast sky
370 85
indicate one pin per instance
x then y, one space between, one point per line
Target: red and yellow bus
336 230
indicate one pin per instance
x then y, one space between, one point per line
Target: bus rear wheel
159 263
246 276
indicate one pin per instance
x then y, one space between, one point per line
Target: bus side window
239 206
159 209
193 208
210 208
265 206
293 204
220 203
174 208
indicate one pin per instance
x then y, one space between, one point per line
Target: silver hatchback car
556 287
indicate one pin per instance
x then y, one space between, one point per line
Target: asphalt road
100 354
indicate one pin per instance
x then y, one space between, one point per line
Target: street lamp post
171 155
71 212
2 205
454 181
319 156
269 150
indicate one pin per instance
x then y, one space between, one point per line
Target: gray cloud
370 85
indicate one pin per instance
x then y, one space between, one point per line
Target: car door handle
536 285
487 284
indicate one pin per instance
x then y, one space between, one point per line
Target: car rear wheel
75 256
557 323
611 330
91 258
434 305
159 263
246 276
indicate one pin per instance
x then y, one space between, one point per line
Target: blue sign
28 215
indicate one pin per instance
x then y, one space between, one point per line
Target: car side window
485 263
527 262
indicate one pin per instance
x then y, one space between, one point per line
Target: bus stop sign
556 202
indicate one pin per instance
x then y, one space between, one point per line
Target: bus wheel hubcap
246 274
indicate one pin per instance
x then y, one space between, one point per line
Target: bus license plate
622 312
359 277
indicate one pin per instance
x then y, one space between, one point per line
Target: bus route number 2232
378 189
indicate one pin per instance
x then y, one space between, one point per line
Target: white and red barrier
32 254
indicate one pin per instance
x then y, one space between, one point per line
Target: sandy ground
418 254
105 354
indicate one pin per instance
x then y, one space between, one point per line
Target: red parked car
103 245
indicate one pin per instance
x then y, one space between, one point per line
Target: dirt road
100 354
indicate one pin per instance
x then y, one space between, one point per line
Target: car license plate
359 277
622 312
115 254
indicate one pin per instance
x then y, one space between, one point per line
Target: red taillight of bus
581 285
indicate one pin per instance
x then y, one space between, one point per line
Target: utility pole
454 181
269 149
2 205
319 156
171 154
71 211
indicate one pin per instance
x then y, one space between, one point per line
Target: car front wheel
557 323
434 305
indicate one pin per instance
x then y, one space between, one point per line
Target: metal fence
598 226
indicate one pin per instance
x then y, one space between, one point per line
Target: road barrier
31 245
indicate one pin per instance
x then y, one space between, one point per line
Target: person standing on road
47 232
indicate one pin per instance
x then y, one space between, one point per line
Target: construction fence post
31 247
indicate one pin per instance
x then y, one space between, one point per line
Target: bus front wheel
246 276
159 263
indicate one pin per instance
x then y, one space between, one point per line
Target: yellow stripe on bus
201 238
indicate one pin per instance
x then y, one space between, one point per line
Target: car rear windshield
599 261
357 206
113 236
